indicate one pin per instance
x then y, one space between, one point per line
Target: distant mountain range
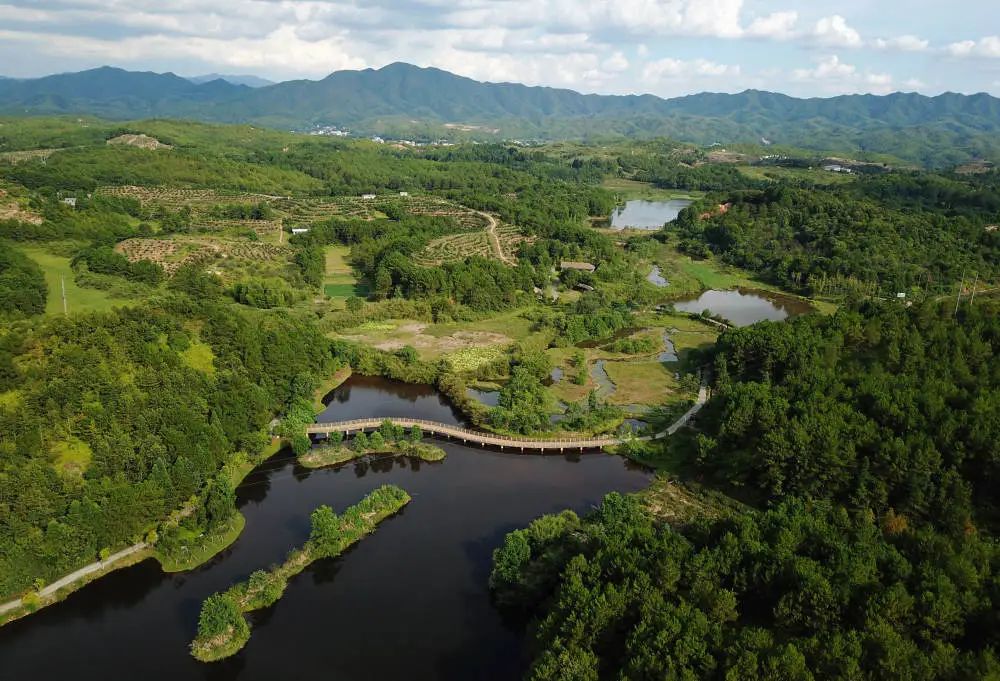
248 80
405 100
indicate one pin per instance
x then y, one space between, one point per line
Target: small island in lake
222 629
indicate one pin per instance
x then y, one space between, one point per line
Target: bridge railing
450 429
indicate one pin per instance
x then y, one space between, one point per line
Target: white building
404 193
367 197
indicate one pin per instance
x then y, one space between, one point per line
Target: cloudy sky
666 47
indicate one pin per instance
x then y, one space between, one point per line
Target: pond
649 215
656 278
488 397
743 307
410 601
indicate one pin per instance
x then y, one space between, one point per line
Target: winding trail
491 233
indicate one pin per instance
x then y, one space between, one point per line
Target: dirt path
79 574
491 232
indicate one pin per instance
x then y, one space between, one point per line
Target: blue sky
664 47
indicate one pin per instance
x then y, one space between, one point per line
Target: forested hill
404 99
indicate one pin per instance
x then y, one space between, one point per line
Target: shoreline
17 608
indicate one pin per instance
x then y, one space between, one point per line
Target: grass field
200 356
649 383
56 269
459 340
631 189
339 283
72 455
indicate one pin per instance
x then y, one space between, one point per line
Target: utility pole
959 298
62 281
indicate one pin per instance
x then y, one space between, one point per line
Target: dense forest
868 441
109 423
22 285
844 240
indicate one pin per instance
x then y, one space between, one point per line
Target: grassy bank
200 548
222 628
326 386
632 189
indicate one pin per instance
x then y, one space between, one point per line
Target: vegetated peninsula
222 629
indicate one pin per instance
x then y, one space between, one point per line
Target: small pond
650 215
656 277
744 307
487 397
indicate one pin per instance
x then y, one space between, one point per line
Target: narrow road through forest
79 574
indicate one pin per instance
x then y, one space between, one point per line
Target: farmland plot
214 253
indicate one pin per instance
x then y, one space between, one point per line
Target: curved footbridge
493 440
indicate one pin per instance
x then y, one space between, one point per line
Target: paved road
79 574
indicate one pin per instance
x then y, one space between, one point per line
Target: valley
231 291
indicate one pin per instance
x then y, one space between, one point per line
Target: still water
651 215
744 307
410 601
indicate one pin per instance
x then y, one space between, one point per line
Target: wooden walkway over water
479 437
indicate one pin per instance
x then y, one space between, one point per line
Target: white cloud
834 31
827 67
903 43
282 50
985 47
668 68
777 26
616 63
835 76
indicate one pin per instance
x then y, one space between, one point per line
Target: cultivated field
213 252
456 247
15 157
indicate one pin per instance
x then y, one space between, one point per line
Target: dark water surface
744 307
651 215
408 602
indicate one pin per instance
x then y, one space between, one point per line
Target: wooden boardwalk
493 440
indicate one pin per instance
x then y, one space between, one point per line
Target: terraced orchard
173 253
455 247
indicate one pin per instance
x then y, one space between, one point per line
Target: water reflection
418 581
743 307
649 215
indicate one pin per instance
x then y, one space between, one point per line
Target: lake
649 215
410 601
743 307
